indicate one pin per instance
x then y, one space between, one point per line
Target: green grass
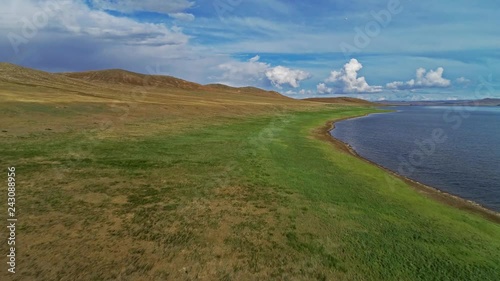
286 205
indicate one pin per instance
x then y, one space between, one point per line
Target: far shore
431 192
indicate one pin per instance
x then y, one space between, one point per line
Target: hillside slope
123 77
21 83
343 100
125 95
23 76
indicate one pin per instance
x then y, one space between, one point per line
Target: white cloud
238 73
323 89
254 59
102 25
281 75
182 16
302 92
74 18
50 32
255 72
424 79
130 6
462 80
348 81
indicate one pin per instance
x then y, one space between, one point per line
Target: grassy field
231 199
225 186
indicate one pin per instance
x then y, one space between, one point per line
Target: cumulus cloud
255 72
347 80
321 88
156 6
238 73
424 79
281 75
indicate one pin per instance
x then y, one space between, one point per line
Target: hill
123 93
123 77
128 78
23 76
21 83
343 100
245 90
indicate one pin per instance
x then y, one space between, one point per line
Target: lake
455 149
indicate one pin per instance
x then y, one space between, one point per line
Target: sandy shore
431 192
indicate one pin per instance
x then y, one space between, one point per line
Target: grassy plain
195 185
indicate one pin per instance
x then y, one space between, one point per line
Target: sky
375 50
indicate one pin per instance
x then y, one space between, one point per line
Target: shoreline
428 191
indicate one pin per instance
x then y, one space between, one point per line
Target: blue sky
394 49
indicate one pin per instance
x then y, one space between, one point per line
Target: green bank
254 198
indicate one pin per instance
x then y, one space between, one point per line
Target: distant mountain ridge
482 102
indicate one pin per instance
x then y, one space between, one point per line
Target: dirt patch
94 198
121 199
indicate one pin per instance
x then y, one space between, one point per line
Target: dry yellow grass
111 105
171 180
33 101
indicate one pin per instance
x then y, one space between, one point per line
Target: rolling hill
123 77
117 84
344 100
123 93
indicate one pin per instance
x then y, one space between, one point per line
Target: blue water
454 149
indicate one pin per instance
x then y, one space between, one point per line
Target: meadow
215 191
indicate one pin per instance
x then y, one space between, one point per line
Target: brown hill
14 74
123 77
128 78
60 101
245 90
29 85
219 86
343 100
21 83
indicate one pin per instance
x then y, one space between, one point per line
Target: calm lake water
455 149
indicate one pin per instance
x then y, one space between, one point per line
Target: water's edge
429 191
